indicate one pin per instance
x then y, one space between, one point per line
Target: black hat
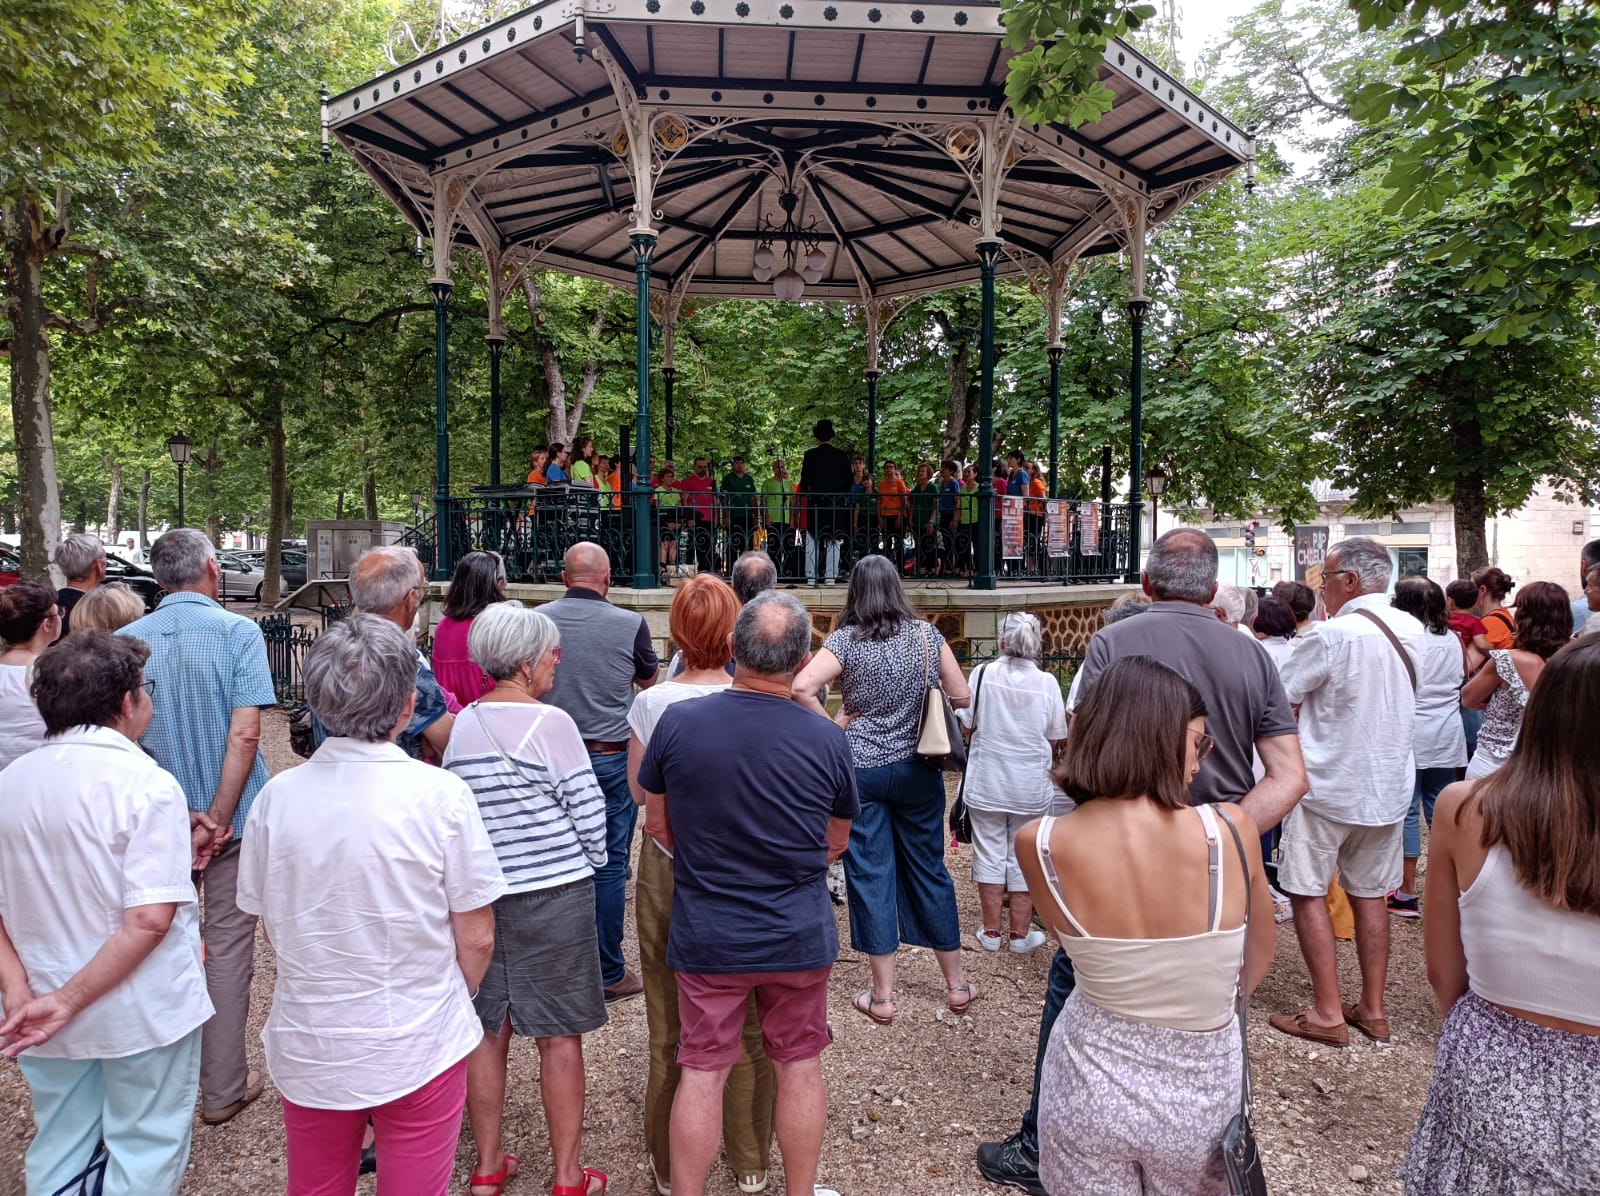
823 429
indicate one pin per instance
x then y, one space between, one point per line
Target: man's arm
437 733
838 837
37 1020
474 933
244 737
646 664
1284 783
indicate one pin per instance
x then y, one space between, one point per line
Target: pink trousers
416 1138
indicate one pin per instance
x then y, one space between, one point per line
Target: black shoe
1011 1164
369 1160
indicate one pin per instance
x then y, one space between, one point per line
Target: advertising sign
1058 532
1310 551
1011 527
1089 528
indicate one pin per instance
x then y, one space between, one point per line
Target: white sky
1203 22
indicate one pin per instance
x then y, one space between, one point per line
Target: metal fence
811 538
287 643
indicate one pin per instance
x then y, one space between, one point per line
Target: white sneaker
989 942
1031 941
753 1183
819 1190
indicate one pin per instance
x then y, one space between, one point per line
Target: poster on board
1089 528
1011 527
1059 531
1310 551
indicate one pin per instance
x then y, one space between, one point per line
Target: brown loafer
254 1085
629 986
1296 1026
1375 1028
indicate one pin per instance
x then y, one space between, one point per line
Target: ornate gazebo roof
532 140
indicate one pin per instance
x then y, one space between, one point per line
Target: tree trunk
209 464
114 502
1467 496
338 505
369 496
277 503
144 511
39 495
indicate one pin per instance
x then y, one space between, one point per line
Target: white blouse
1018 712
21 728
1441 742
355 861
90 827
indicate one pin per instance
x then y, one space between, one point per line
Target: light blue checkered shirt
206 663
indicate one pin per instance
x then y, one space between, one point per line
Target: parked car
240 577
10 568
139 579
292 570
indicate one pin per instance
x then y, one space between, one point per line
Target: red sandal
497 1181
585 1188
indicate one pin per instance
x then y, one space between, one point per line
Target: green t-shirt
969 503
924 502
740 491
582 473
667 498
774 491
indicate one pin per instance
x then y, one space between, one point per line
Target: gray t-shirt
884 682
604 650
1244 698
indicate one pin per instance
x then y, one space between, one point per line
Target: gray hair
1367 559
506 635
753 573
1229 602
383 578
772 635
1121 611
1020 636
78 554
1252 603
1182 566
179 557
358 675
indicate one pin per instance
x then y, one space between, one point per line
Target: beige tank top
1188 983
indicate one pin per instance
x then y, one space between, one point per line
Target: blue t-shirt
430 708
751 780
948 493
1018 483
554 474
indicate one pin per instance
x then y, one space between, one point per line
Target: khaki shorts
1312 848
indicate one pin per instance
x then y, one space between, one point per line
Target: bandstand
846 150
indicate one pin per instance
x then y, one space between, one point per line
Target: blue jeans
899 889
611 878
1430 783
1471 720
1062 982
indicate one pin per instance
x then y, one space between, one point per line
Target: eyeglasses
556 653
1203 746
149 686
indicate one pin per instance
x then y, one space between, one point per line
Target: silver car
241 578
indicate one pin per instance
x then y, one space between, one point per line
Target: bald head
587 566
1182 567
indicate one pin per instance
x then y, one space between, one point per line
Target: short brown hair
703 613
81 681
24 607
1129 735
1543 804
1544 618
110 606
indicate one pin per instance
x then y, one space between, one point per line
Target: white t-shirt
1279 648
21 728
355 861
650 704
1441 741
1019 711
90 826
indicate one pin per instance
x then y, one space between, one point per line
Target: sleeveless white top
1187 983
1526 954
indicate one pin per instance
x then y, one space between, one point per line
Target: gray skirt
545 972
1513 1110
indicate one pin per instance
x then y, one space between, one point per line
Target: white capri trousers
994 848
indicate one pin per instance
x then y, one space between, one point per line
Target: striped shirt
540 802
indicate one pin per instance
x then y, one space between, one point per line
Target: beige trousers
230 939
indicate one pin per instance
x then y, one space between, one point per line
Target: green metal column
497 347
1055 352
644 554
988 255
872 422
669 375
443 558
1136 313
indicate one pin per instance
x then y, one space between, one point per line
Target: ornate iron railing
287 643
811 537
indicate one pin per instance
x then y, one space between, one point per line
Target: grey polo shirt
604 649
1244 698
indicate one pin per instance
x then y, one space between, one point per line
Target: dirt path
908 1104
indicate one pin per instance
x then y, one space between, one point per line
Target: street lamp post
1155 485
180 447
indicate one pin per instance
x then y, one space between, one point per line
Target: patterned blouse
1502 717
884 682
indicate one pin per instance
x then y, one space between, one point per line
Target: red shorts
792 1007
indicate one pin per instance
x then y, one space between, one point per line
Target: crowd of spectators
450 867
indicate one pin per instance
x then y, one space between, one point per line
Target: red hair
702 618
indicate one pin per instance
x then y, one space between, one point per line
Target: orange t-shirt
1037 490
892 497
535 478
1501 627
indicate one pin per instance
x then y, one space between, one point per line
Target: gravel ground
908 1104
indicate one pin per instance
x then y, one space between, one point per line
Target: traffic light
1250 534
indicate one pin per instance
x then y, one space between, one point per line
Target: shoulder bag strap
1405 658
1239 1002
977 692
483 726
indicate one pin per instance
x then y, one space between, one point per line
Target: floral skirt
1513 1110
1127 1107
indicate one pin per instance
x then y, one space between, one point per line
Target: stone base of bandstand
968 618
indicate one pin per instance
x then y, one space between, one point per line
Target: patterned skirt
1130 1107
1513 1110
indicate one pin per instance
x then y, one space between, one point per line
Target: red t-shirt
697 495
1467 626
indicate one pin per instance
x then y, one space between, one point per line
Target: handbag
1241 1157
939 743
960 816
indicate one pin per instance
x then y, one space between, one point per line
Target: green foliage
1060 44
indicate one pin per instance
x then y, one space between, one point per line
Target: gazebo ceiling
880 117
